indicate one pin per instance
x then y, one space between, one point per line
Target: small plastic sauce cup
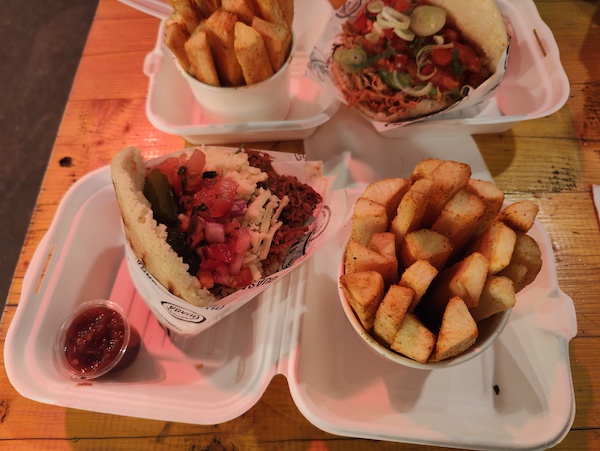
96 338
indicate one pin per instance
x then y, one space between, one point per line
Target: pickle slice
158 192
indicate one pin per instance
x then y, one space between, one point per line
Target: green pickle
351 60
158 192
396 80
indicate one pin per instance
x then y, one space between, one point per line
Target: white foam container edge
171 108
534 86
296 329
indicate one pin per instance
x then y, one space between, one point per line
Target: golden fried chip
251 54
202 64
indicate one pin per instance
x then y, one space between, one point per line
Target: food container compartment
171 107
183 319
534 85
296 328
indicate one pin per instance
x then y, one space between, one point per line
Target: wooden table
553 160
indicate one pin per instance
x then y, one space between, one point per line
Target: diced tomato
224 198
195 164
427 70
242 242
373 48
241 279
194 168
444 81
468 57
221 275
170 168
361 23
450 35
399 44
441 56
216 197
206 279
401 5
411 67
220 252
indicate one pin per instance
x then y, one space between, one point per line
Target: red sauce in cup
95 339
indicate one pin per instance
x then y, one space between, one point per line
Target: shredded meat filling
302 202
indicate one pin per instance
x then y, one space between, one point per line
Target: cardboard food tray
535 85
517 395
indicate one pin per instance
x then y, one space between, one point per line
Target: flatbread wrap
399 60
207 222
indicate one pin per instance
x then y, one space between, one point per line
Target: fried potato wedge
278 41
498 295
391 312
496 244
459 219
457 333
424 168
251 54
492 198
387 192
519 216
413 339
464 279
220 30
418 277
270 11
364 292
525 263
411 209
241 8
287 10
202 64
368 218
176 35
188 11
425 244
448 178
207 7
384 244
360 258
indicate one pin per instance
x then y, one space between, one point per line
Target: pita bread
481 24
146 237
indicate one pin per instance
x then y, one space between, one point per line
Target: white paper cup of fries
268 100
434 264
489 330
235 57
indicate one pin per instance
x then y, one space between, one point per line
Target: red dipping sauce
94 340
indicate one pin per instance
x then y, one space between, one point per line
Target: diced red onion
214 232
236 264
239 208
221 275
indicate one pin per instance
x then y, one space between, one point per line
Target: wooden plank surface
553 160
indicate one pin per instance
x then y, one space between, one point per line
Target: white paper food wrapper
321 60
182 319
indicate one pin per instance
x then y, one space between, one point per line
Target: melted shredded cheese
262 222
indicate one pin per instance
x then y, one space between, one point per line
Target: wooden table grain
553 160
